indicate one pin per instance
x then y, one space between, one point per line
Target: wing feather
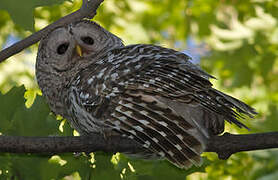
157 97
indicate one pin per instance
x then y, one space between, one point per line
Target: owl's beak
79 50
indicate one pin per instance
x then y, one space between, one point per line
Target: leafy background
236 41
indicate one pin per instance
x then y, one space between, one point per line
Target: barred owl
148 93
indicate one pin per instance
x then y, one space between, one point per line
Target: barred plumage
151 94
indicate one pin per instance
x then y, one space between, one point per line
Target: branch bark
88 10
224 145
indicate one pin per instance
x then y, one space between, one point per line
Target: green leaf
11 102
155 169
5 166
17 119
28 166
30 96
22 11
104 168
75 163
34 121
270 123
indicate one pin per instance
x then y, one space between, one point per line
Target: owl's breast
90 101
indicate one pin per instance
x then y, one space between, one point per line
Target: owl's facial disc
76 45
84 48
65 48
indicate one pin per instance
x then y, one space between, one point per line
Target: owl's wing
169 74
157 97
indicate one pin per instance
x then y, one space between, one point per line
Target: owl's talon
77 154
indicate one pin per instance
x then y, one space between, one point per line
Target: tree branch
228 144
224 145
88 10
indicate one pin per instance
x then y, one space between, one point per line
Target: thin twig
88 10
224 145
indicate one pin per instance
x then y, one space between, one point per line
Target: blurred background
234 40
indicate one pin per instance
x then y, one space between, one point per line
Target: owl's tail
210 121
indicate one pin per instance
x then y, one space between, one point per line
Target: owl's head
78 43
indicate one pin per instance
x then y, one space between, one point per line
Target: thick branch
92 143
88 10
224 145
228 144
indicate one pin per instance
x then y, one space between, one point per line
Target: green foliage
240 36
13 99
148 169
20 120
22 11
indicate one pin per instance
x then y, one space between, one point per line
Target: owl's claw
77 154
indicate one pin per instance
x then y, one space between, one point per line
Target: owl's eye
88 40
62 48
